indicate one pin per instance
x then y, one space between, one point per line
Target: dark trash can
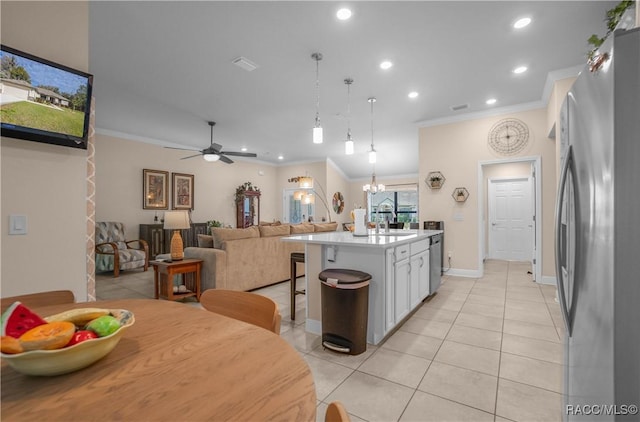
345 309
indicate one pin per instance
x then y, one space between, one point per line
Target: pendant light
349 145
372 153
317 129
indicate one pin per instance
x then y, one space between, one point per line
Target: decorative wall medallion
508 136
338 202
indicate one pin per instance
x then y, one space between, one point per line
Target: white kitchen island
398 261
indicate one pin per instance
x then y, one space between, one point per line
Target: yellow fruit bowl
72 358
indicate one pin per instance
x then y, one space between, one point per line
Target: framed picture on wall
182 191
155 189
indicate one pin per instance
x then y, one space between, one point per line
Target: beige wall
119 166
47 183
455 150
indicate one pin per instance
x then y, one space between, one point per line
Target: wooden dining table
176 363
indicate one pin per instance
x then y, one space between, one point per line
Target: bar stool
295 258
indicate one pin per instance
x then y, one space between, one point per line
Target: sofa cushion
205 241
221 234
302 228
326 227
270 231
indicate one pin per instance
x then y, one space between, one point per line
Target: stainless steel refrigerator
598 235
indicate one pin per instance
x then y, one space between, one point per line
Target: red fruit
18 319
81 336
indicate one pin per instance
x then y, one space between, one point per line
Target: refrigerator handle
568 163
567 168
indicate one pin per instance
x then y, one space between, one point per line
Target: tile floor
486 349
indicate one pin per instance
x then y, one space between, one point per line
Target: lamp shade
372 156
176 220
305 182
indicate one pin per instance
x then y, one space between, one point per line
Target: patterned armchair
114 253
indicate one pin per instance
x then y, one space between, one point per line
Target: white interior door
510 219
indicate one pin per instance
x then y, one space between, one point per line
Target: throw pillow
326 227
270 231
302 228
221 235
205 241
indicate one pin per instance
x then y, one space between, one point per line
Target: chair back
244 306
110 231
34 300
336 413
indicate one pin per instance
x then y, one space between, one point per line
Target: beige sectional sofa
246 259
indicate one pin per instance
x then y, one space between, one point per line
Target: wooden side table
163 272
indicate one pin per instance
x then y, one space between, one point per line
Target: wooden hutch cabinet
247 206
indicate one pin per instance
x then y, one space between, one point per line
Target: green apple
104 325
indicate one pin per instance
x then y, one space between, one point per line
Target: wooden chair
244 306
34 300
336 413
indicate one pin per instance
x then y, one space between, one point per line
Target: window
397 203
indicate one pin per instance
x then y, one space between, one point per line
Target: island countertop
385 239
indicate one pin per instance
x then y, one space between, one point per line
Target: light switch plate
17 224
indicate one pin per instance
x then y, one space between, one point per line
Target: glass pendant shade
317 135
372 156
349 147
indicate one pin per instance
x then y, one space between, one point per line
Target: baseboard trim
464 273
546 279
313 326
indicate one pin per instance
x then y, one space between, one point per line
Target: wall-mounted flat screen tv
43 101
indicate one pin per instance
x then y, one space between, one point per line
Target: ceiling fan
214 151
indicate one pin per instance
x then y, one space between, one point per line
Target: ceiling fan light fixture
211 157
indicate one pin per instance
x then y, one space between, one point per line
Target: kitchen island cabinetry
397 260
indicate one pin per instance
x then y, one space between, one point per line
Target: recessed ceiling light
491 101
520 69
243 149
343 14
413 94
521 23
280 157
386 65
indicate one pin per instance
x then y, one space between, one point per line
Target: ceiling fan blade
191 156
216 147
239 154
226 159
184 149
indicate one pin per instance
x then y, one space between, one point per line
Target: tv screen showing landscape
43 101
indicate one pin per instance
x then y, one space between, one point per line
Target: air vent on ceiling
244 63
459 107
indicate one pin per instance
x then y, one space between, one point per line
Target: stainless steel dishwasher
435 262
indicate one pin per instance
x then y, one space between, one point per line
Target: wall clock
338 202
508 136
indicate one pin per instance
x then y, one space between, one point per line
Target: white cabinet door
414 281
421 263
401 291
389 291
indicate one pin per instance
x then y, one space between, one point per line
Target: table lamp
176 220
